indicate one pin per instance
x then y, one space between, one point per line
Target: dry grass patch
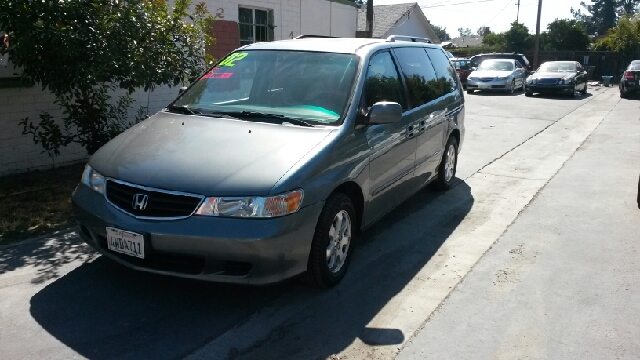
36 203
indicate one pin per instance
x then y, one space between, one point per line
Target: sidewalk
563 281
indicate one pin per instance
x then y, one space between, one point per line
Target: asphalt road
542 214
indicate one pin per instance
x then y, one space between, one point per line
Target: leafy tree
441 32
517 38
495 41
85 50
628 7
585 20
623 39
566 35
483 30
464 32
602 15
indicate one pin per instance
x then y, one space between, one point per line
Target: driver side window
382 82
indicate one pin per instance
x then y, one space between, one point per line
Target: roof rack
393 38
314 36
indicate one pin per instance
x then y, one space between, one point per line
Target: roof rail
393 38
314 36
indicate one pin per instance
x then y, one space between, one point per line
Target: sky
497 14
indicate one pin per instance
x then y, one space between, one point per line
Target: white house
238 22
399 19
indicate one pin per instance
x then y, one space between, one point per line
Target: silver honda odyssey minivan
271 163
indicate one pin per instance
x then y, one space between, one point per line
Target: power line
441 4
498 14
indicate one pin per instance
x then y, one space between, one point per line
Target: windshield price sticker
230 61
216 75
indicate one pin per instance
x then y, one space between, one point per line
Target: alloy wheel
450 164
339 241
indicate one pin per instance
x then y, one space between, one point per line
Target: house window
255 25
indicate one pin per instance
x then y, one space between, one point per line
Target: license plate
481 86
125 242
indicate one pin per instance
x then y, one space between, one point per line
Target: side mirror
474 68
182 89
385 112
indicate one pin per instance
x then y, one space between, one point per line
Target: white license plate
125 242
482 86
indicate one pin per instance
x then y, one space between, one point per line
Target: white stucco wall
295 17
18 153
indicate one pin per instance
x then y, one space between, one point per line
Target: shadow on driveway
104 310
47 255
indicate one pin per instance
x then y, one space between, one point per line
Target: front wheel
469 91
584 91
448 165
512 88
528 94
331 245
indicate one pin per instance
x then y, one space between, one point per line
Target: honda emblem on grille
140 201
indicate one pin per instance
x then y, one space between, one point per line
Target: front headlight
93 179
502 77
254 207
473 78
567 81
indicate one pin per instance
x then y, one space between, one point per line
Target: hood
490 73
553 75
207 156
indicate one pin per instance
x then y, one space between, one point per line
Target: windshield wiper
183 109
256 114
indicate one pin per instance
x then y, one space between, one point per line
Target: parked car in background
464 67
268 165
497 75
630 82
558 77
524 62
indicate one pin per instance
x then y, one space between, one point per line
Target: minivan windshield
310 86
558 67
496 65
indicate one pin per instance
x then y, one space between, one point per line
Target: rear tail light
629 75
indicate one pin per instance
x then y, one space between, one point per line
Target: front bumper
550 89
488 85
245 251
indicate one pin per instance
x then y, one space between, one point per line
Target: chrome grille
486 79
159 204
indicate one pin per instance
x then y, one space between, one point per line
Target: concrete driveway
542 214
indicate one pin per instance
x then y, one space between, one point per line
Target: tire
584 91
445 178
337 209
573 93
470 92
528 94
623 94
512 88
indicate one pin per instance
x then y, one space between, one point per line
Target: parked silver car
497 75
269 164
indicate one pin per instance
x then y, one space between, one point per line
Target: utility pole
536 50
518 14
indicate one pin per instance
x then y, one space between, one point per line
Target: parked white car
497 75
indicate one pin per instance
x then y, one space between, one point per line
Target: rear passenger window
419 74
382 82
447 77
